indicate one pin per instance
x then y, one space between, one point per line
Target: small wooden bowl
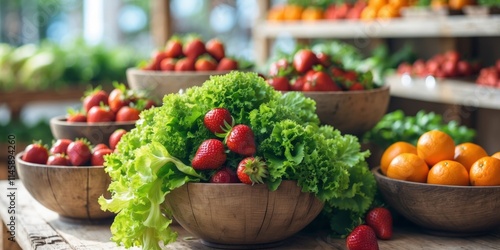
94 132
442 209
240 216
351 112
72 192
159 83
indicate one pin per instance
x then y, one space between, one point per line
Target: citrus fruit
448 172
467 153
369 13
388 11
485 172
394 150
496 155
435 146
408 167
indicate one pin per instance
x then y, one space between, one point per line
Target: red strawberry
100 114
320 81
185 64
297 84
168 64
127 113
36 153
224 175
241 140
280 68
210 155
303 60
362 238
157 57
380 219
97 158
280 83
99 146
193 48
218 120
76 116
226 64
60 146
173 48
356 86
94 98
115 137
79 152
252 170
215 48
118 97
205 63
58 160
324 59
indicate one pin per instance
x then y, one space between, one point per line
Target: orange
369 13
398 4
276 13
485 172
388 11
435 146
394 150
408 167
467 153
448 173
312 13
293 12
377 4
496 155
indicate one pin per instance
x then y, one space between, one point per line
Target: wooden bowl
443 209
159 83
95 132
351 112
237 215
72 192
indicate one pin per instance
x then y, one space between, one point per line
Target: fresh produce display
441 161
288 143
316 70
66 152
445 65
191 53
120 105
490 76
49 65
396 126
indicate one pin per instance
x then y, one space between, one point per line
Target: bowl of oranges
446 189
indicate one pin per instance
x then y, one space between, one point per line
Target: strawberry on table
210 155
362 238
79 152
218 120
241 140
224 175
36 152
252 170
380 219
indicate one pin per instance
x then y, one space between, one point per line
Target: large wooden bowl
159 83
351 112
237 216
72 192
442 209
95 132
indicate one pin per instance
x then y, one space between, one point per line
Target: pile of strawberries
490 76
66 152
120 105
240 139
191 54
310 71
378 225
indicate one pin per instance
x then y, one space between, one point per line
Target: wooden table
39 228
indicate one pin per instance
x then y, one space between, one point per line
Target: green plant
489 3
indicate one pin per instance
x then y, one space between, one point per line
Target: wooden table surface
39 228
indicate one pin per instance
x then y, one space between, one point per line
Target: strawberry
205 63
185 64
60 146
79 152
99 146
252 170
241 140
356 86
168 64
303 60
94 97
210 155
127 113
193 48
362 238
279 83
36 153
115 137
100 114
380 219
224 175
58 160
173 48
227 63
76 116
218 120
215 48
97 158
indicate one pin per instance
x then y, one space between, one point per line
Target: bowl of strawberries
68 177
184 62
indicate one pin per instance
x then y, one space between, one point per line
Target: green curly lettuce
153 158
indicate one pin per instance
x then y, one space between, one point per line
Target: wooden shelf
448 91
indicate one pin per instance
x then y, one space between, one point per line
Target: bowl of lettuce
153 159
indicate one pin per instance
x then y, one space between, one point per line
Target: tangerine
448 172
435 146
312 13
467 153
388 11
394 150
496 155
485 172
408 167
369 13
293 12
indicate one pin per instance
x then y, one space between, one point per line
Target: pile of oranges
437 160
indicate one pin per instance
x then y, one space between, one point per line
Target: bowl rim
378 174
61 120
383 88
138 71
30 164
